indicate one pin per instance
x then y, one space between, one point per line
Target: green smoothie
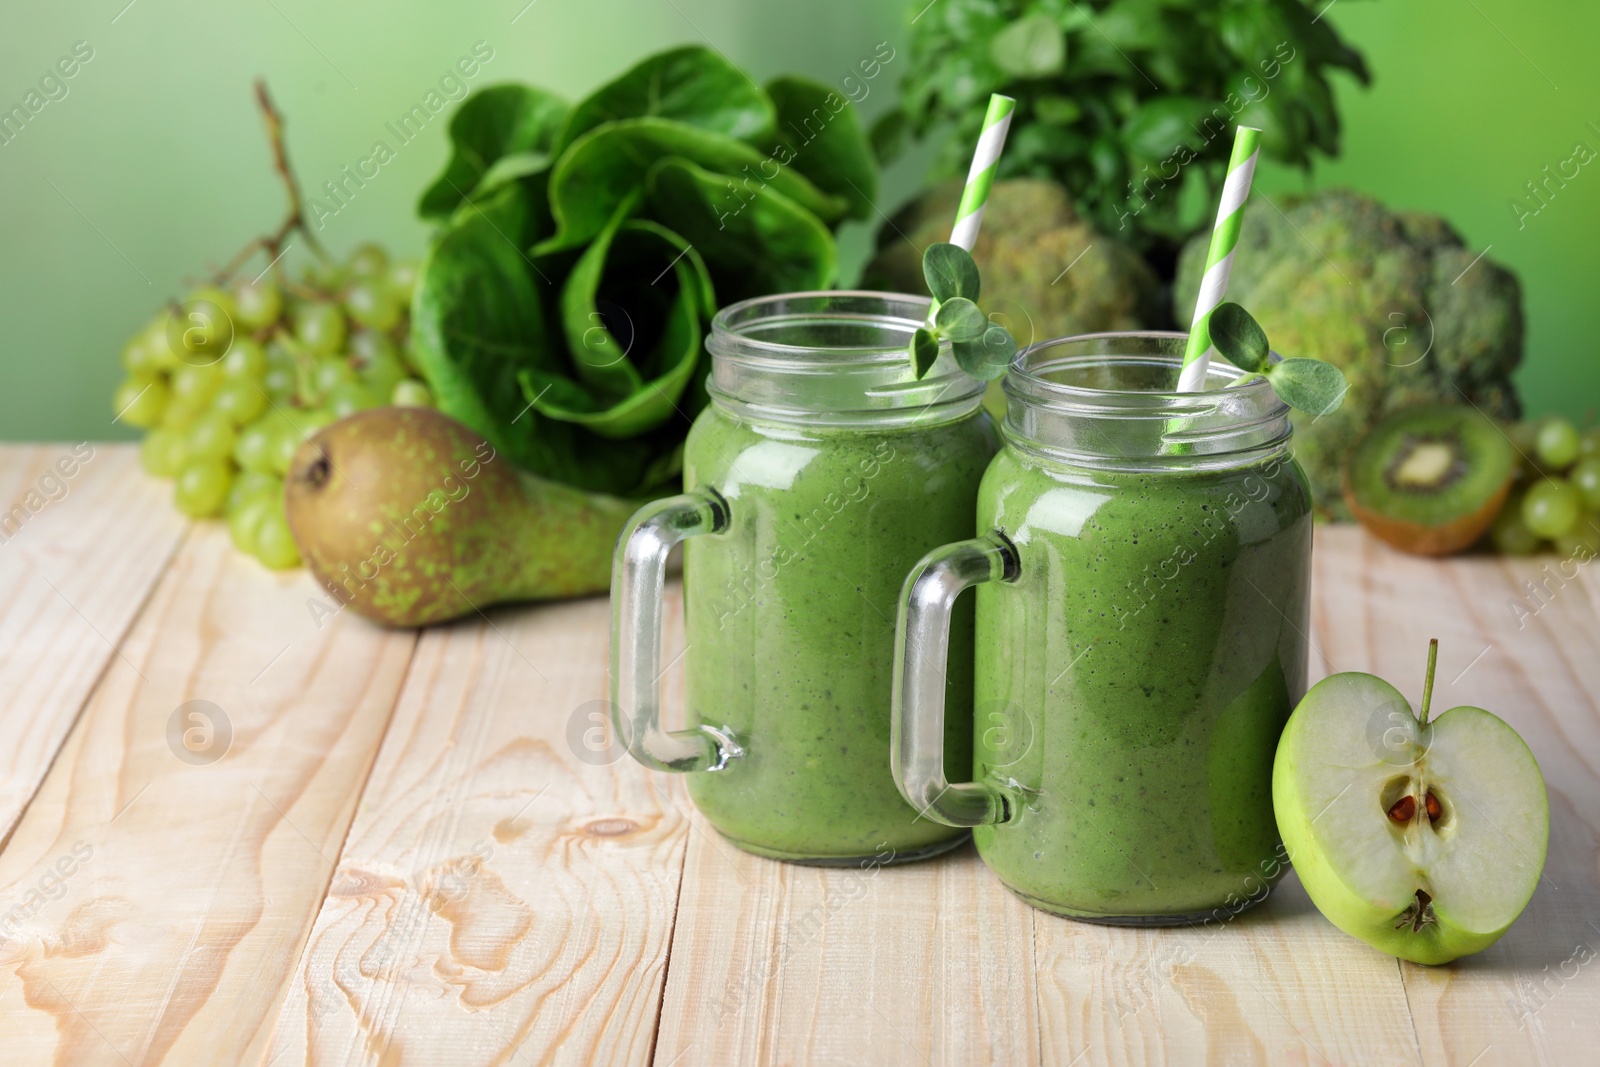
1157 638
790 617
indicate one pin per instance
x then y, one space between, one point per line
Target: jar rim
1021 373
855 367
1125 414
731 322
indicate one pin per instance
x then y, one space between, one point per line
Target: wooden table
401 848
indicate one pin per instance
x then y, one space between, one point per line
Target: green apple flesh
1423 839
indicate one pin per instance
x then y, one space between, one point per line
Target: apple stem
1427 681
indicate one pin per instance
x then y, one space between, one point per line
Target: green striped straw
1219 260
985 161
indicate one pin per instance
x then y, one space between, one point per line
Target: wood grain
930 962
73 574
1531 997
426 852
1276 984
507 891
166 901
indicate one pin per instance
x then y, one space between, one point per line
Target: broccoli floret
1031 234
1395 299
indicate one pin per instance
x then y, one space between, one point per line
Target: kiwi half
1430 479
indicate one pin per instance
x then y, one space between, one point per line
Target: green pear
410 518
1423 839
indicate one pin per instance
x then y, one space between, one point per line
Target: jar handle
921 648
638 573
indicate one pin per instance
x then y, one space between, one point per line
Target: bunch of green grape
1555 502
230 382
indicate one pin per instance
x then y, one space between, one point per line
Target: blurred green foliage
1130 104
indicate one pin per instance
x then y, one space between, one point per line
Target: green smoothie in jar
820 472
1142 610
1167 657
792 614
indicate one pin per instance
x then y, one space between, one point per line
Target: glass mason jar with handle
1142 609
818 474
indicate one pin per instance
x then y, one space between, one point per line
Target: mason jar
1142 601
819 472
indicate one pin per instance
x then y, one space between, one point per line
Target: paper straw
985 161
1219 260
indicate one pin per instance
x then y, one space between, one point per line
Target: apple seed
1405 808
1432 806
1419 914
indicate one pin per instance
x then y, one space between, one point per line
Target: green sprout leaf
1239 337
982 349
924 350
988 356
960 320
950 272
1308 385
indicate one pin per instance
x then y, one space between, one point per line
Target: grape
412 394
210 438
330 374
284 443
308 421
244 522
162 453
138 358
258 304
160 348
367 261
1590 445
244 360
347 399
201 330
240 402
219 299
140 401
249 485
274 543
257 445
382 374
202 487
324 274
403 279
1585 478
372 306
1582 543
301 425
367 346
319 325
1557 443
180 414
1551 508
279 382
196 385
1510 534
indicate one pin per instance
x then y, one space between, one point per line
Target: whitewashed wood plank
165 899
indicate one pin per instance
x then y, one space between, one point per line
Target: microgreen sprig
1308 385
982 348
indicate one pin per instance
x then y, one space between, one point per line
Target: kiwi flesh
1430 479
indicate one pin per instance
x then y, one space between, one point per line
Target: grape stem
295 220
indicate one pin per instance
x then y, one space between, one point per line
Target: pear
410 518
1423 839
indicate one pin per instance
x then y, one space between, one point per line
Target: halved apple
1423 839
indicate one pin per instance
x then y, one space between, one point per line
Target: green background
153 167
